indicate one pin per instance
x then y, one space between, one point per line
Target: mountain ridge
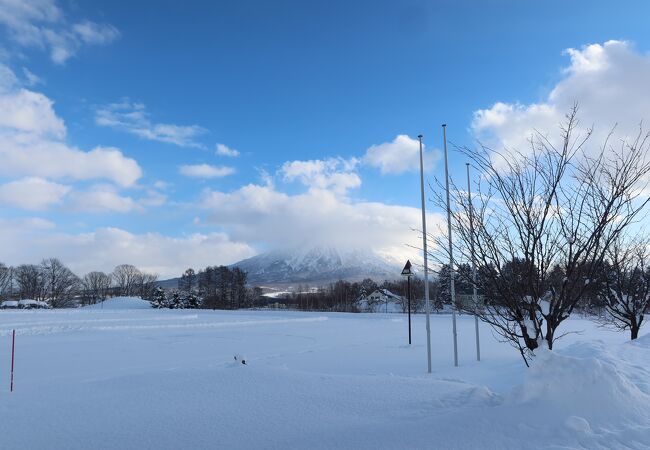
317 264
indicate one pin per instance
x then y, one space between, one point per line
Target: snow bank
9 304
122 303
586 386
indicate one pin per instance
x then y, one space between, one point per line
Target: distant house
381 300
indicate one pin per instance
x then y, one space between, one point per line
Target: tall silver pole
452 286
471 234
426 259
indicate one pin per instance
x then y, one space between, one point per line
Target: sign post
406 272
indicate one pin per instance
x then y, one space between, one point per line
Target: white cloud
224 150
266 178
322 214
31 223
608 82
133 118
93 33
8 79
399 156
205 171
162 185
33 150
32 193
31 79
336 174
23 155
42 24
103 199
30 112
22 19
256 213
154 198
28 241
32 142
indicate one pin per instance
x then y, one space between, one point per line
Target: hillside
316 265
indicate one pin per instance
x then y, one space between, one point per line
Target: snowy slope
317 264
166 379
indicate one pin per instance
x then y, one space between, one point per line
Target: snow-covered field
128 377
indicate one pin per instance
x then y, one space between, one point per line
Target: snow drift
587 389
591 380
122 303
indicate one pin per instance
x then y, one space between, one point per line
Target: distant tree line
223 288
215 287
53 282
342 296
353 296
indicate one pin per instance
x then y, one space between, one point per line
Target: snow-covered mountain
318 264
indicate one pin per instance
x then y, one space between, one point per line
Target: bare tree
96 285
147 285
59 282
188 281
626 286
543 221
5 279
222 287
30 282
238 288
127 279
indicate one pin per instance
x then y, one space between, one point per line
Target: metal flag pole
426 263
452 286
471 234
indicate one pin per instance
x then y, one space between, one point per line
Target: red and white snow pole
13 351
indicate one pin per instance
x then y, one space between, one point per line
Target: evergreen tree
192 301
177 300
159 299
462 282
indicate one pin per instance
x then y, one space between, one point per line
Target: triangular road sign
406 271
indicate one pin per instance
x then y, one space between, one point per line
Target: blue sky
301 90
